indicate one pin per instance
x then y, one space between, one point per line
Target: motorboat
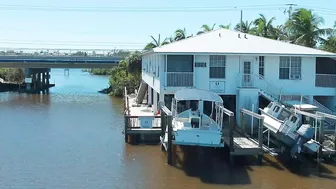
197 118
284 124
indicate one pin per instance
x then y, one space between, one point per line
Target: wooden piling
260 138
242 122
126 127
232 125
321 137
170 140
163 123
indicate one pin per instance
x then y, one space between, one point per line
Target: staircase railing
268 87
322 108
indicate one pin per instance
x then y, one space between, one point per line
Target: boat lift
243 144
319 130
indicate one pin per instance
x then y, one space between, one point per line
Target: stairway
329 123
141 93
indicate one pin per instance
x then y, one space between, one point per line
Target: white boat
197 118
285 125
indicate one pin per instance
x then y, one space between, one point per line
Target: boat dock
141 122
241 144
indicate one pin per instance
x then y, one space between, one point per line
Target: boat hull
198 138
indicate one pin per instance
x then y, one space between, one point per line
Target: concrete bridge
58 61
37 63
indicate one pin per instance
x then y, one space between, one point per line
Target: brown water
72 138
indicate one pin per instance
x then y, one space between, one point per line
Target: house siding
155 76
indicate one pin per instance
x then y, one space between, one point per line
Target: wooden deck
242 145
140 119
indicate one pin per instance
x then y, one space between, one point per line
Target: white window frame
294 66
261 66
217 61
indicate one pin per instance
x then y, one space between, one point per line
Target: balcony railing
325 80
180 79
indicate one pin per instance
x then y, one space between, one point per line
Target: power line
70 42
137 9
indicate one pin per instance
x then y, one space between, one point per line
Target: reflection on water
72 138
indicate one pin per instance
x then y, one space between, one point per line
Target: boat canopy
197 94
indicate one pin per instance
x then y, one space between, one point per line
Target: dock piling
260 138
170 140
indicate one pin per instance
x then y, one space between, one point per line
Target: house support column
149 96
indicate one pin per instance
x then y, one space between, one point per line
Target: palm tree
247 27
304 28
264 27
225 26
280 33
180 34
330 43
155 43
206 28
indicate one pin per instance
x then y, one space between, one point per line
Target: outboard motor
306 133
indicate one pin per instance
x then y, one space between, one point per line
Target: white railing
180 79
252 80
291 98
325 80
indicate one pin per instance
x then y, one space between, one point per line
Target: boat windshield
284 114
186 105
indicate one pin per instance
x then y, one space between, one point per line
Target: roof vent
238 35
245 36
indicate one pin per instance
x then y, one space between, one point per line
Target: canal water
72 138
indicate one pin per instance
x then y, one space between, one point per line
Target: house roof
224 41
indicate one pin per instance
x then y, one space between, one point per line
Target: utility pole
241 20
290 9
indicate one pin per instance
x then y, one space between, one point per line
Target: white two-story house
243 69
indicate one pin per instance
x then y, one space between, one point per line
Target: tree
330 43
15 75
134 63
225 26
264 27
304 28
247 27
121 77
206 28
180 34
280 33
155 43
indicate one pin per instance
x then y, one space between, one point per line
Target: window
180 63
200 64
276 109
262 66
290 68
217 66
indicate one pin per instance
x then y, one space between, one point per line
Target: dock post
231 141
242 122
321 139
170 142
260 138
125 129
163 123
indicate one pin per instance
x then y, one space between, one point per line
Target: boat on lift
197 118
284 124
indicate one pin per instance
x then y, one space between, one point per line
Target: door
247 74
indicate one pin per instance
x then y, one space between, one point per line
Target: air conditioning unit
296 76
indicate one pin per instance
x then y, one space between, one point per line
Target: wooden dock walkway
140 120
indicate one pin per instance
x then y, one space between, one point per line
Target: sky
44 24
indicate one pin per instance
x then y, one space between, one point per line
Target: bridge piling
37 79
